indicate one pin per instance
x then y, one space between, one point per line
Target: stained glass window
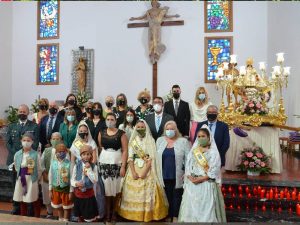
217 50
48 19
47 64
218 16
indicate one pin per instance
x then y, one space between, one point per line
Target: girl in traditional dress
202 199
112 163
143 196
28 167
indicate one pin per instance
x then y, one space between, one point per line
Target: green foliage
12 114
35 106
82 98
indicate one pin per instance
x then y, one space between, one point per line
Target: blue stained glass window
48 64
48 19
218 51
218 15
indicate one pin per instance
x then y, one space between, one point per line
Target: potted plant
12 114
254 161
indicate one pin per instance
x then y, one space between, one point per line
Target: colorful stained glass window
48 19
217 50
218 16
47 64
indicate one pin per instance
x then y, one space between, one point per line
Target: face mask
109 104
42 107
54 143
170 133
129 119
211 116
203 142
157 107
52 111
176 95
71 102
110 124
22 117
61 155
201 97
70 118
143 100
141 132
121 102
97 112
88 110
26 144
83 135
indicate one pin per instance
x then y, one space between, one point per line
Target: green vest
18 160
56 173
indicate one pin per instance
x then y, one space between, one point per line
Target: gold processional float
258 98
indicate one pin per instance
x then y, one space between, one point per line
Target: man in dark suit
50 124
158 119
219 130
180 110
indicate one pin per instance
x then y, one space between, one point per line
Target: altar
265 137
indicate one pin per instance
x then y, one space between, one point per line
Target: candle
259 190
255 191
225 65
262 193
240 189
231 206
239 207
287 71
229 189
276 196
223 189
281 194
242 70
280 58
299 196
294 195
247 190
288 196
249 195
240 195
271 194
262 65
263 208
268 195
298 209
233 59
233 195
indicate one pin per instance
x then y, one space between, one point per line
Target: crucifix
155 19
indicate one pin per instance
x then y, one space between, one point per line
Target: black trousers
174 196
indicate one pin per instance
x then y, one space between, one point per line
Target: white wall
284 36
121 62
5 56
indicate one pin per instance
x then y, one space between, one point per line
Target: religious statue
81 75
155 16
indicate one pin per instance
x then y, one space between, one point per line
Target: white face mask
110 124
170 133
157 107
26 144
129 119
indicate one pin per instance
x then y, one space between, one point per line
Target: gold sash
200 158
138 150
139 164
78 144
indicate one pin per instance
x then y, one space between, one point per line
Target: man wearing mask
13 144
158 119
50 124
180 110
218 129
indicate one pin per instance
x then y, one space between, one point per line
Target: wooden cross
154 67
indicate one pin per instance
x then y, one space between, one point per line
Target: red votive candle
262 193
281 194
271 193
288 196
294 195
240 189
255 191
298 209
276 196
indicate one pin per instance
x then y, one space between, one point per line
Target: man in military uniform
14 135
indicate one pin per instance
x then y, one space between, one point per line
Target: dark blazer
183 116
44 140
221 137
150 119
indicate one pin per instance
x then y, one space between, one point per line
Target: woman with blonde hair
172 151
43 105
109 102
198 109
144 108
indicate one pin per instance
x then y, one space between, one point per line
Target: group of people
155 162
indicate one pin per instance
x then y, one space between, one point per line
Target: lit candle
240 195
225 65
281 194
242 70
271 194
293 195
298 209
299 196
262 66
247 190
288 196
268 195
263 208
240 189
255 191
229 189
287 71
280 58
276 196
258 190
233 59
249 195
262 193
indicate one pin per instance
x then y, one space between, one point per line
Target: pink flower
259 155
252 164
258 105
258 161
262 164
251 105
249 154
246 163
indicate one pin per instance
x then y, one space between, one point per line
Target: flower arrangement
255 160
250 107
12 114
82 98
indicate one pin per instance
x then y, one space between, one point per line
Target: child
28 168
83 179
59 183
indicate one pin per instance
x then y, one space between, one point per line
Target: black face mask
176 95
121 102
42 107
71 102
83 135
22 117
88 110
143 100
109 104
211 116
97 112
53 111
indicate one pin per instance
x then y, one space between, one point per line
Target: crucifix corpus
155 19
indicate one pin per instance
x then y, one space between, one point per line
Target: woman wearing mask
109 102
120 109
112 163
43 105
143 197
71 103
96 123
68 128
198 109
172 151
202 199
88 111
129 123
144 108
